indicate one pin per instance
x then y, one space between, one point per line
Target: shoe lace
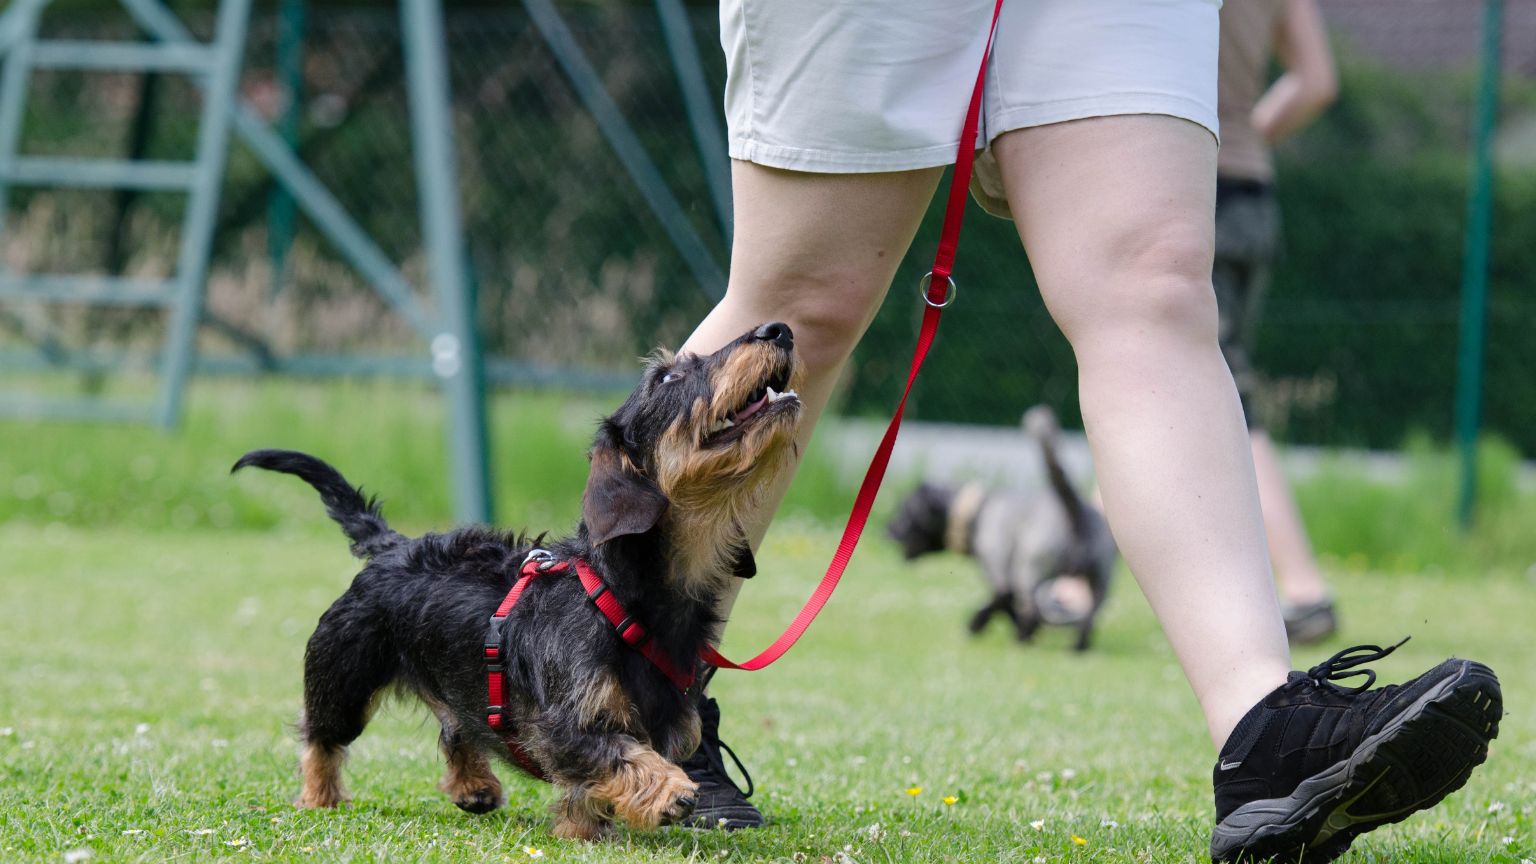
1343 665
713 749
710 745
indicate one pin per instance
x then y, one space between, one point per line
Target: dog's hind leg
346 665
1098 586
1025 617
469 781
1000 602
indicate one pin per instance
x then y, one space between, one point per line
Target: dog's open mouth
768 400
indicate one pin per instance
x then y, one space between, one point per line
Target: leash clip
951 289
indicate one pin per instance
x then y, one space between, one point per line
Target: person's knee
1152 286
828 311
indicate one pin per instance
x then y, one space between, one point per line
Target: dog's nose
778 333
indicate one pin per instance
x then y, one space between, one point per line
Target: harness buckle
493 638
623 627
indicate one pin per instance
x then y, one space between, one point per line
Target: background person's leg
816 251
1301 582
1116 214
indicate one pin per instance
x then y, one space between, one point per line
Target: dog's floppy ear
619 499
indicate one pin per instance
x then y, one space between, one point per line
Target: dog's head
920 525
694 443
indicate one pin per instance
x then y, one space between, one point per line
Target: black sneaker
721 803
1314 765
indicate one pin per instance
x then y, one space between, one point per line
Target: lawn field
150 677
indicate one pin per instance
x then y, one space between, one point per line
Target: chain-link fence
574 272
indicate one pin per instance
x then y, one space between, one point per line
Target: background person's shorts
858 86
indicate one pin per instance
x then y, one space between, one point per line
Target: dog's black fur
598 718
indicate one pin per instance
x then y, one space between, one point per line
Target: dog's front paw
648 791
681 807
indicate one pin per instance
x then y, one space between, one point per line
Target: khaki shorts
858 86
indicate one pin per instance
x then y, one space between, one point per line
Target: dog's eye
670 377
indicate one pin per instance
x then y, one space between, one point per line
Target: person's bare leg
1116 214
816 251
1296 571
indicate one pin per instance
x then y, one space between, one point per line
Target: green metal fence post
456 357
1474 274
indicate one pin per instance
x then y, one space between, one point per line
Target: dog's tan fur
321 767
711 490
603 702
644 788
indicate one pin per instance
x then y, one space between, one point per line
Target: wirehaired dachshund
671 470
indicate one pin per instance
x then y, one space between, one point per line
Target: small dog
671 471
1024 541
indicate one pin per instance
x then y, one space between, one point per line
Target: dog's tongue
752 408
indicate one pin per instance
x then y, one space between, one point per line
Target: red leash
938 292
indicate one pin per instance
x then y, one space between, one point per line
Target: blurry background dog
1046 554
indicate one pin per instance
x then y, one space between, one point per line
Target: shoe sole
1424 753
735 820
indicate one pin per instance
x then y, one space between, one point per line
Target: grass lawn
150 679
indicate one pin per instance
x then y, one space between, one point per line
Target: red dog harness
538 563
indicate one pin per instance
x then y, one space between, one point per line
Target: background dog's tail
1040 423
358 517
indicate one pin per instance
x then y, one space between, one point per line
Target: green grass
1408 525
150 681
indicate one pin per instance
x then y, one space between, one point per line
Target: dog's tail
1040 423
358 517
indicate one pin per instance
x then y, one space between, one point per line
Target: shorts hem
840 161
1009 119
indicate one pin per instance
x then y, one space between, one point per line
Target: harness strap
628 628
495 670
938 292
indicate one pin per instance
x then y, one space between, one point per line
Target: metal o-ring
949 295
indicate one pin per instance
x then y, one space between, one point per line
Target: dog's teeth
721 425
771 394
